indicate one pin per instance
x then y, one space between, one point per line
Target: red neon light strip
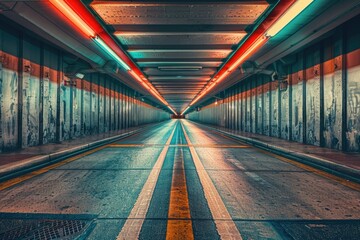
77 7
72 16
248 47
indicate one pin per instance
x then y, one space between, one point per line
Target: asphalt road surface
179 180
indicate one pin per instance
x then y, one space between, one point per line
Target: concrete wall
317 104
40 105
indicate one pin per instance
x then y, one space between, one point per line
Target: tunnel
180 119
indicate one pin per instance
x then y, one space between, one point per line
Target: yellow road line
178 145
181 227
225 226
35 173
135 220
221 146
125 145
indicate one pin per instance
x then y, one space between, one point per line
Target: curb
12 170
314 161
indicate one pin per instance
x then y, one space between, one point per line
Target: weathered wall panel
65 108
94 104
50 89
31 91
248 107
102 105
297 85
87 105
318 104
266 112
332 89
274 110
259 106
313 97
8 91
76 106
284 110
42 102
253 109
353 89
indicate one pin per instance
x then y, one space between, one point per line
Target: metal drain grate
12 229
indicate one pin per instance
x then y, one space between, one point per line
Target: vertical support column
302 66
91 104
71 109
98 102
82 122
106 104
322 111
242 107
236 107
20 91
41 96
290 86
256 80
279 111
270 110
58 103
126 109
344 82
262 82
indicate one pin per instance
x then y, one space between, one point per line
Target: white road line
224 224
132 226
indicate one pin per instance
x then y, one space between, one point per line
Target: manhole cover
29 229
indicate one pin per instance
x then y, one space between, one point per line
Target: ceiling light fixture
73 17
180 68
284 12
288 16
81 18
252 49
109 51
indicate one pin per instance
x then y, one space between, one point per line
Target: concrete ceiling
179 45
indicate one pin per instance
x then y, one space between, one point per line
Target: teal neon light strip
109 51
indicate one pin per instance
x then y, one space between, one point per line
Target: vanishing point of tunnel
179 119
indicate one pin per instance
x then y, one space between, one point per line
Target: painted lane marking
342 181
179 225
125 145
135 220
347 183
177 145
225 225
38 172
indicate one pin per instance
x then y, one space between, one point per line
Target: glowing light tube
62 6
288 16
256 45
109 51
185 110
